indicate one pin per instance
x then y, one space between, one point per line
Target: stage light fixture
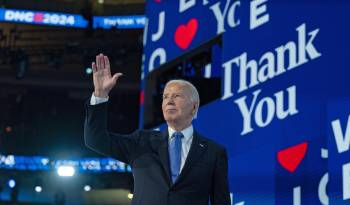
11 183
87 188
66 171
38 189
88 71
130 195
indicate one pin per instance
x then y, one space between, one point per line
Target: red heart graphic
184 34
291 157
157 1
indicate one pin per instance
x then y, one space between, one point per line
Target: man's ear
194 108
194 114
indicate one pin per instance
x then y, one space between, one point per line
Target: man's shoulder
149 134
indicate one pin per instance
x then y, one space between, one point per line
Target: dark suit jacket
203 177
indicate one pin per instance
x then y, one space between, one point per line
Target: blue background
322 95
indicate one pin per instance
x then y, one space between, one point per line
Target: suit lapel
164 155
198 147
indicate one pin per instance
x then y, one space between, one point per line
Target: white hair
193 90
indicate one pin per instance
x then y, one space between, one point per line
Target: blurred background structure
45 79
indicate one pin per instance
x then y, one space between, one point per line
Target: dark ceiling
43 84
108 7
44 88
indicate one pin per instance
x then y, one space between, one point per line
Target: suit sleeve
220 194
97 138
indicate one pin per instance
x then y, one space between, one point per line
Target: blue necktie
175 155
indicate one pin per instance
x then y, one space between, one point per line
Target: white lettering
159 34
258 8
272 107
159 52
342 140
145 32
306 48
292 104
247 112
267 67
20 16
231 19
297 195
186 4
270 110
322 190
346 181
228 12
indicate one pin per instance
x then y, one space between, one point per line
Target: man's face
177 105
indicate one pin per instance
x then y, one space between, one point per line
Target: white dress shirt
186 141
97 100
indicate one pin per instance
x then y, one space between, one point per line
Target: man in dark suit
174 167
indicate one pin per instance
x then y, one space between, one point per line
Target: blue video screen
43 18
121 22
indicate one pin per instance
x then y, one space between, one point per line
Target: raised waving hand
103 80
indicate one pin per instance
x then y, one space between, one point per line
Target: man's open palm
103 80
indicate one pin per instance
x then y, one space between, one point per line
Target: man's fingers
106 62
102 61
98 62
93 66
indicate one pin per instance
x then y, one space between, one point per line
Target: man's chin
170 119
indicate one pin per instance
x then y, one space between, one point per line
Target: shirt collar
187 132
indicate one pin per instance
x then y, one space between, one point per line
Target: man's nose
170 101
